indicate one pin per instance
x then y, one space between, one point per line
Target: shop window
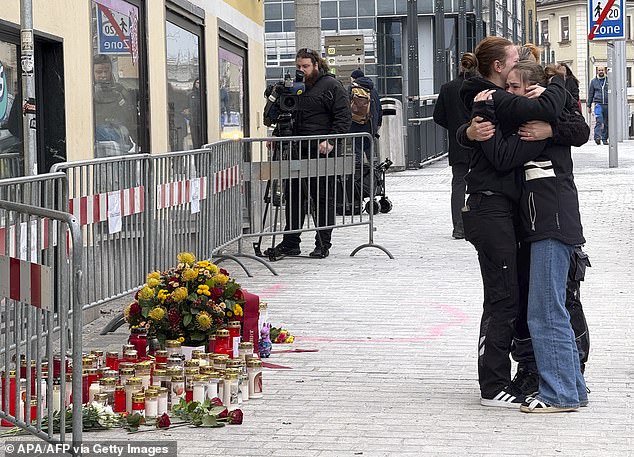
116 75
10 113
185 84
232 96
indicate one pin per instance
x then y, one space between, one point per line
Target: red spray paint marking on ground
602 17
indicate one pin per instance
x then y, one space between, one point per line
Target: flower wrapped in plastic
187 303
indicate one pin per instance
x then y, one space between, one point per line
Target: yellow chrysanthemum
237 310
162 295
181 339
213 269
221 279
154 275
204 321
157 313
189 274
290 339
146 293
203 263
153 282
179 294
186 257
203 289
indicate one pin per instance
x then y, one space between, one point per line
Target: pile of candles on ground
150 384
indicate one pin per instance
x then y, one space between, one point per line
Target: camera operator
322 109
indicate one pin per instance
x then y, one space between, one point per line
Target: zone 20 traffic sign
606 19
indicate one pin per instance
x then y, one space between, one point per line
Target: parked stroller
353 192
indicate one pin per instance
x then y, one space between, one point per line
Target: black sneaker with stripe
509 397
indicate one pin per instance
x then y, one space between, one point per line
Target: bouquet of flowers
186 303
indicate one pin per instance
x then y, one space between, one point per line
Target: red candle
11 397
138 339
112 360
119 399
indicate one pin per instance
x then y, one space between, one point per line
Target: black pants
458 188
489 224
522 350
361 144
321 192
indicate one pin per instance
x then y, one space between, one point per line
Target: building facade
563 38
123 76
383 25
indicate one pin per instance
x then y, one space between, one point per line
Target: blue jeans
601 124
560 380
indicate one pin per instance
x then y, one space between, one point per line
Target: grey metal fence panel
432 137
295 187
108 197
41 252
11 165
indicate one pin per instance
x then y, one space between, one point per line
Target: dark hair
489 50
100 59
569 74
307 53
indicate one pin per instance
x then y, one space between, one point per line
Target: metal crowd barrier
11 165
430 137
41 296
108 197
295 188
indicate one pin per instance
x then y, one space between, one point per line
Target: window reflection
231 94
184 108
10 126
116 77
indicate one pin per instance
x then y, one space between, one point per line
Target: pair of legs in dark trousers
321 192
489 224
458 188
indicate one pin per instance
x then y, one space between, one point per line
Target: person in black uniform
450 113
489 216
323 109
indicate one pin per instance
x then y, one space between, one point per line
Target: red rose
238 295
224 272
135 309
216 293
235 417
224 413
163 421
216 401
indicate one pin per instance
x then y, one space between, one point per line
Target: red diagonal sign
106 11
597 24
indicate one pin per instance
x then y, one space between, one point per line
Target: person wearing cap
376 114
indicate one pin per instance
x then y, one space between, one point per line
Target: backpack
360 102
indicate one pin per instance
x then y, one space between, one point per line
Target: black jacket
511 111
549 205
324 108
376 110
450 113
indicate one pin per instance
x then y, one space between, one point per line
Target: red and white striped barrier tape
94 208
180 192
226 179
12 248
26 282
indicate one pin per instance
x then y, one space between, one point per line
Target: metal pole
28 87
462 28
514 19
478 20
613 148
620 84
492 18
505 18
413 90
440 66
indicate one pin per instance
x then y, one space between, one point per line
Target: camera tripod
274 192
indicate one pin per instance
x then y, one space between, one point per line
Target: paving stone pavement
395 372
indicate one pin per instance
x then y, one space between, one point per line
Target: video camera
282 99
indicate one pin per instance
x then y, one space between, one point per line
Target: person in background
375 119
572 84
598 95
323 109
450 113
116 118
195 122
